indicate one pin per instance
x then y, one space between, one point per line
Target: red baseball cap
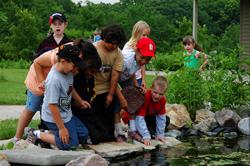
59 16
146 47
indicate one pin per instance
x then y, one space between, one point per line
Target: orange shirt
31 78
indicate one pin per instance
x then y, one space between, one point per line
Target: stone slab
41 156
115 149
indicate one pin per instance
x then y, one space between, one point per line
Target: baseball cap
71 53
146 47
59 16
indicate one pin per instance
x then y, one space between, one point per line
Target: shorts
33 102
78 133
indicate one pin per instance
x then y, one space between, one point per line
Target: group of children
50 85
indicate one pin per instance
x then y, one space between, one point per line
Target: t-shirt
110 60
31 78
190 61
152 108
130 65
50 43
58 90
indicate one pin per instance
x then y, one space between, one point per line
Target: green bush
185 88
222 88
169 62
21 64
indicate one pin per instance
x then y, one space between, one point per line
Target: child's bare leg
48 137
24 120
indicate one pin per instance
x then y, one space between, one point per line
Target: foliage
20 64
185 88
24 24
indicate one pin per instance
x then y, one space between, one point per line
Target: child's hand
202 67
64 135
146 142
143 84
159 138
85 104
109 99
41 86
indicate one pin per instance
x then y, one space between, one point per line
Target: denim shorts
78 133
33 102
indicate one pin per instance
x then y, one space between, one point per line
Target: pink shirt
31 78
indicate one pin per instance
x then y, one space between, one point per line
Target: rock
227 118
170 142
41 156
173 133
244 111
203 114
244 126
89 160
178 115
22 144
244 142
115 149
230 135
205 125
3 160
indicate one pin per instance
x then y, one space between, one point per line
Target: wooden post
245 34
195 19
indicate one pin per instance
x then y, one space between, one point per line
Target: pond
196 151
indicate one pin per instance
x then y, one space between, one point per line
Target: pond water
196 151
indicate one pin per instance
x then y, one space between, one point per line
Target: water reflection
196 151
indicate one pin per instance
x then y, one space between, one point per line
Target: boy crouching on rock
66 131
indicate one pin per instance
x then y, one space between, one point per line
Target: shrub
21 64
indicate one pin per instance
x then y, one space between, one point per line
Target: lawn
12 89
8 127
12 85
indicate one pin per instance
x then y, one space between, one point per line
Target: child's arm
143 75
160 127
141 126
84 104
135 83
113 86
41 62
123 101
63 131
198 55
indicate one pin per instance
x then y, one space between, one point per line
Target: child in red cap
133 60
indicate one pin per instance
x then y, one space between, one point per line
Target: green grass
12 85
8 127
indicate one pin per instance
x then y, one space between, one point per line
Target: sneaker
135 136
31 138
121 138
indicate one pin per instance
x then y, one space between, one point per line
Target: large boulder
178 115
244 126
203 114
205 120
227 118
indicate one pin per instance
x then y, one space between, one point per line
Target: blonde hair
161 81
137 32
